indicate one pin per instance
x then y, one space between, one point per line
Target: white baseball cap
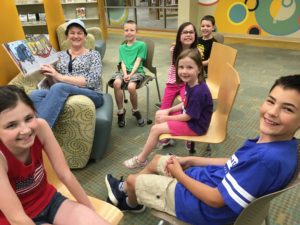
78 22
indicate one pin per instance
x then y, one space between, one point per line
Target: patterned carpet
258 68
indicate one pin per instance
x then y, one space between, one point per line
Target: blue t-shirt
254 170
198 104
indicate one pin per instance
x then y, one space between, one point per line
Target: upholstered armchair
93 41
82 131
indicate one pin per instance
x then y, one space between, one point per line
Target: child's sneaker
134 162
121 119
165 143
115 195
139 119
124 207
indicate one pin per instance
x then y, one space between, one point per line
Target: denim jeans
48 214
49 103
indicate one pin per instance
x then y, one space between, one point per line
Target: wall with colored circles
258 17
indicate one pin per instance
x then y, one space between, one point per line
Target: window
149 14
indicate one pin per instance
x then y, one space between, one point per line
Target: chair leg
208 150
192 150
147 116
157 87
106 88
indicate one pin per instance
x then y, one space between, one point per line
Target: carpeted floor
258 68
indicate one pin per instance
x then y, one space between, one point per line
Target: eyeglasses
186 32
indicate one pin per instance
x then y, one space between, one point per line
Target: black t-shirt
205 47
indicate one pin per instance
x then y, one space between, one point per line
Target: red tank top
29 181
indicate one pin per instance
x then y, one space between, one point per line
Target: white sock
120 111
130 205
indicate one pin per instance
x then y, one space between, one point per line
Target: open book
30 54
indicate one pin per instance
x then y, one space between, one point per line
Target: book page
29 55
41 49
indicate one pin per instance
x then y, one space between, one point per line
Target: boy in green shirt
131 56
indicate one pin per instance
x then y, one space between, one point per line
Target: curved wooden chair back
220 55
218 126
107 211
258 210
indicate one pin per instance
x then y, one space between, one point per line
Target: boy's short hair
288 82
209 18
130 22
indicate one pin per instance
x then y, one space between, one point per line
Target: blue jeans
49 103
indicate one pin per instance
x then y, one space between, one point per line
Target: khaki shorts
157 191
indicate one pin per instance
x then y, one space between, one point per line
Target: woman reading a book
77 72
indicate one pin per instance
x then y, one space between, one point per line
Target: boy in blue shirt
132 53
214 191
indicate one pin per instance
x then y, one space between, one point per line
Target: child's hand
169 161
173 167
161 118
126 78
163 112
172 48
184 162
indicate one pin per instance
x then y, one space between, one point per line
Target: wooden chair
218 126
220 39
255 213
107 211
148 65
220 55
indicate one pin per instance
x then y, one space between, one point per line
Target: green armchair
94 39
75 127
82 131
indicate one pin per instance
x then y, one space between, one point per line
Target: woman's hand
48 70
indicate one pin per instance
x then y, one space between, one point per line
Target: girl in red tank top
25 194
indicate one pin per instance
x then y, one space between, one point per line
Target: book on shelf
23 18
42 17
91 0
30 54
31 17
80 13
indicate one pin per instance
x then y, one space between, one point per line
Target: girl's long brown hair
194 54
